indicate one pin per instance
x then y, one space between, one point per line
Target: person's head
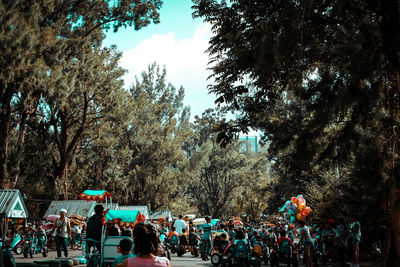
302 223
341 221
112 231
125 246
98 209
180 217
191 230
283 233
208 219
39 226
224 236
240 235
63 212
184 230
221 227
127 233
146 239
173 228
270 231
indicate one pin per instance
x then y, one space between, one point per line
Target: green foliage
323 87
159 125
223 177
43 41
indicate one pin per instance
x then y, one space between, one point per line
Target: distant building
249 143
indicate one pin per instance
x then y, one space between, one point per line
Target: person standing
63 232
206 239
341 240
180 224
306 237
355 228
94 226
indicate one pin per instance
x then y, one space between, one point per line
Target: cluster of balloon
295 209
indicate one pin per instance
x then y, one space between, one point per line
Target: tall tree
85 103
159 126
221 177
325 87
38 37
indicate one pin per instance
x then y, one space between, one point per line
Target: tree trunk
61 177
20 145
392 255
5 120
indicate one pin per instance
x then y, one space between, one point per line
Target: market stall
12 209
144 210
161 215
83 209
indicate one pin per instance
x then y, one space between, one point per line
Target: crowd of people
333 240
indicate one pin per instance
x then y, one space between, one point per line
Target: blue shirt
207 231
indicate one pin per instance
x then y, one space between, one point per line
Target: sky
178 42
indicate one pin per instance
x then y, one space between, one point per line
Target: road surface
186 261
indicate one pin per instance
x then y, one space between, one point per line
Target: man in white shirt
180 224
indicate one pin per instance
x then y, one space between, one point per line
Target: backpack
285 247
241 250
183 240
174 240
258 249
192 239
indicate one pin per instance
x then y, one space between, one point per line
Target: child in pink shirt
147 246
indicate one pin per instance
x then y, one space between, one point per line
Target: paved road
186 261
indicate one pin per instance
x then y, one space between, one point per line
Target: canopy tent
74 207
113 206
189 216
12 206
214 222
123 218
144 211
161 214
199 221
95 195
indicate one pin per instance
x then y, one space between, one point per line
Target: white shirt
179 225
76 229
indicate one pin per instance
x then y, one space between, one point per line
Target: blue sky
178 42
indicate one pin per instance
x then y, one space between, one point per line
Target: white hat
63 210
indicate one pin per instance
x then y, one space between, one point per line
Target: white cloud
185 61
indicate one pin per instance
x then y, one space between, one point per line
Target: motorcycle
75 242
16 244
6 257
39 245
27 246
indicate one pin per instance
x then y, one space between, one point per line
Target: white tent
82 208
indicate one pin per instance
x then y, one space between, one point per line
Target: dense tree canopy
223 177
39 40
322 87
